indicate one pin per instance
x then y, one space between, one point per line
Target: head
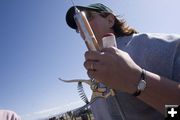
102 21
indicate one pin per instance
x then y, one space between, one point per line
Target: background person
8 115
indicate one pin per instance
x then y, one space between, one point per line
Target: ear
111 20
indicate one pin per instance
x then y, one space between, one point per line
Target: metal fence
82 113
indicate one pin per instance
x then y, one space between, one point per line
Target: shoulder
163 36
150 40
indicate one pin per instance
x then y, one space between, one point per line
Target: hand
114 68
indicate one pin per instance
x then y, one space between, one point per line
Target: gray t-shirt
157 53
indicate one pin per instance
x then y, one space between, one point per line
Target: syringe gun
86 30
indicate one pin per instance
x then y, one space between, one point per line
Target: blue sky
37 47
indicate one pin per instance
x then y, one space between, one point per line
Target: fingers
96 56
95 75
97 63
91 65
92 60
92 55
91 74
110 49
95 69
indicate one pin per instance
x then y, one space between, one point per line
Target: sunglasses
91 14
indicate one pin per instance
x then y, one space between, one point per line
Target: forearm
118 71
160 91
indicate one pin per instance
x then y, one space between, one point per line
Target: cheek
93 26
98 25
99 29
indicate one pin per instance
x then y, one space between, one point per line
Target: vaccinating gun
91 42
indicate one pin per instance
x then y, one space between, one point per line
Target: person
144 69
8 115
